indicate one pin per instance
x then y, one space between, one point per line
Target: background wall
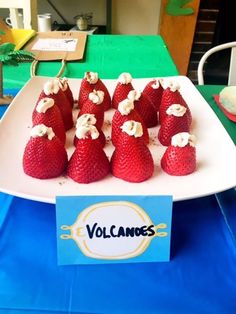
128 16
71 8
135 16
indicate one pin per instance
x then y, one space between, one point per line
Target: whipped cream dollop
51 87
156 83
134 94
63 83
132 128
84 131
176 110
91 77
44 104
42 130
125 78
125 107
171 84
86 119
183 139
96 97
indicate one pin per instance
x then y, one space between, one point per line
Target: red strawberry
91 82
131 159
63 83
52 90
125 113
154 91
94 105
47 113
175 122
170 96
180 161
89 162
144 107
101 139
123 87
44 155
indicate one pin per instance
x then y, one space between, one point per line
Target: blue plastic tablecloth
200 278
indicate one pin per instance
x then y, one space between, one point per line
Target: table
109 55
200 278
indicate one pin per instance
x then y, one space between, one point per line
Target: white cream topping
173 85
91 77
156 84
63 83
84 131
96 97
132 128
44 104
51 87
85 120
125 78
125 107
176 110
134 94
42 130
183 139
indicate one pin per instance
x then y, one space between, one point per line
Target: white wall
135 16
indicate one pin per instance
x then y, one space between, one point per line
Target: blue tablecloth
200 278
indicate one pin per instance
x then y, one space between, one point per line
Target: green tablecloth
109 55
207 92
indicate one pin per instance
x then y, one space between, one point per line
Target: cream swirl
176 110
42 130
91 77
156 84
96 97
125 78
51 87
86 119
125 107
132 128
84 131
44 104
63 83
171 84
183 139
134 94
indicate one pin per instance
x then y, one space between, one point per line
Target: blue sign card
113 229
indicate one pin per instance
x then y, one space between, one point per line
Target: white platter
216 153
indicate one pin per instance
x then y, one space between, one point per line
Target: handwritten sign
113 229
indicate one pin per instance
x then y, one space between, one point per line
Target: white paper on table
52 44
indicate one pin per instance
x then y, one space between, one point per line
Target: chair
29 8
232 67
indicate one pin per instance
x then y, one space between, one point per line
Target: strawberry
175 122
154 91
123 87
170 96
94 105
179 159
91 82
44 155
125 113
88 120
144 107
89 162
131 159
47 113
52 90
63 83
